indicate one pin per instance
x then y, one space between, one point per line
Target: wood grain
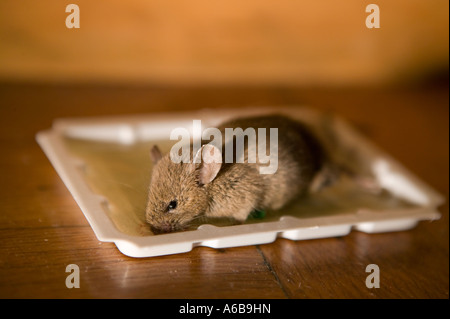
42 230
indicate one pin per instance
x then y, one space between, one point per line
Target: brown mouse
181 192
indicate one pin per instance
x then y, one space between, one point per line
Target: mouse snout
163 228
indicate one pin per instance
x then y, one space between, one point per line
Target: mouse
211 186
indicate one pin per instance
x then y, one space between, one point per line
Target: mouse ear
211 162
155 154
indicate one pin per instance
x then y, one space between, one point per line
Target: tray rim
92 204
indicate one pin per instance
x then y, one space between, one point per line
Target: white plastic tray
422 200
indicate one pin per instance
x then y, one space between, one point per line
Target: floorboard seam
275 275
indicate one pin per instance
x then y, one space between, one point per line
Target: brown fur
238 188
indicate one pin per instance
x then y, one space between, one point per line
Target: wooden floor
42 230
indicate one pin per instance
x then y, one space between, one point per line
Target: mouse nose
161 229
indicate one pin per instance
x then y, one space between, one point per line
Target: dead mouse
181 192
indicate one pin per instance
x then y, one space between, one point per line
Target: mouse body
215 187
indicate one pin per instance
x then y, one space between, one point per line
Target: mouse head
178 191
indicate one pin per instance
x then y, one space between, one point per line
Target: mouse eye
172 205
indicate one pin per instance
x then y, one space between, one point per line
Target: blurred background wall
293 42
